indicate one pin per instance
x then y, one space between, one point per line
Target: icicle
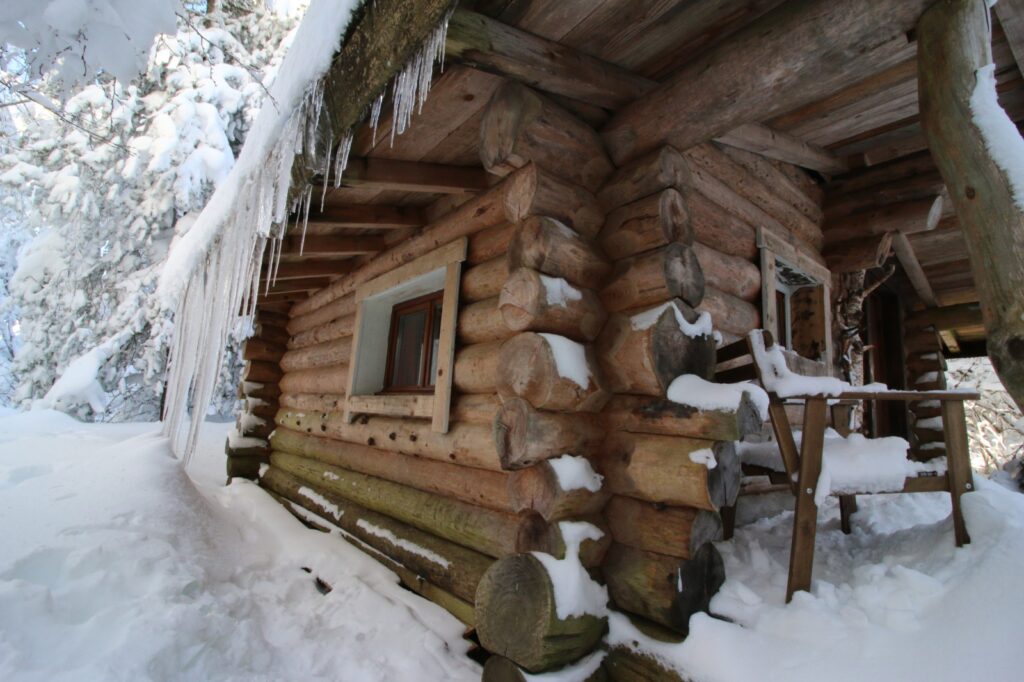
305 217
375 115
412 84
326 174
341 158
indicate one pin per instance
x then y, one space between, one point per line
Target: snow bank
690 389
576 593
131 570
79 383
570 359
408 546
1000 134
575 473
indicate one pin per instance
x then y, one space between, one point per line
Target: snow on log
550 372
644 353
530 301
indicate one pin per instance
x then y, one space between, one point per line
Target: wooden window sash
427 303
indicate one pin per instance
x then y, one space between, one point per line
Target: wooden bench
803 465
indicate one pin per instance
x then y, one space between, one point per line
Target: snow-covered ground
115 565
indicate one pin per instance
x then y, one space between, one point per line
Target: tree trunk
531 301
517 617
525 436
664 589
555 249
529 368
520 126
645 353
655 277
645 224
675 531
954 43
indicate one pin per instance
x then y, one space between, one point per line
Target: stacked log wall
576 311
925 371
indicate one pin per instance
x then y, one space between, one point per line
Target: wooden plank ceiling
872 127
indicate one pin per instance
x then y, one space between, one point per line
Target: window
403 343
413 344
796 304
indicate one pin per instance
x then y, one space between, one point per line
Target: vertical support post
805 523
961 478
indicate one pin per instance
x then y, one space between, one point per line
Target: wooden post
805 523
960 475
954 47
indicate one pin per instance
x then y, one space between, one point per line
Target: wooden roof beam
310 268
1011 18
489 45
908 217
908 259
368 215
775 144
414 176
321 244
798 53
948 317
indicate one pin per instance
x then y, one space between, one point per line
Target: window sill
392 405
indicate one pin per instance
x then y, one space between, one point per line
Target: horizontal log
908 217
342 326
673 531
524 435
646 224
490 244
329 379
530 301
335 310
860 254
555 249
482 322
484 280
729 313
487 531
334 352
728 273
520 125
528 191
665 589
649 174
517 617
329 244
641 414
476 368
540 489
475 408
776 144
446 564
946 317
313 402
661 469
271 334
261 349
469 445
485 488
551 373
646 352
270 318
255 389
261 372
655 277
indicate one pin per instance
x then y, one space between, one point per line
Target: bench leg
847 506
958 459
728 521
805 523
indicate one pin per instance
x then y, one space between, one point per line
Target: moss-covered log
675 531
516 617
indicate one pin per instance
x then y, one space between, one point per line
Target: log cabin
467 345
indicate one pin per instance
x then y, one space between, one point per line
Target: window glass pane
408 358
435 336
